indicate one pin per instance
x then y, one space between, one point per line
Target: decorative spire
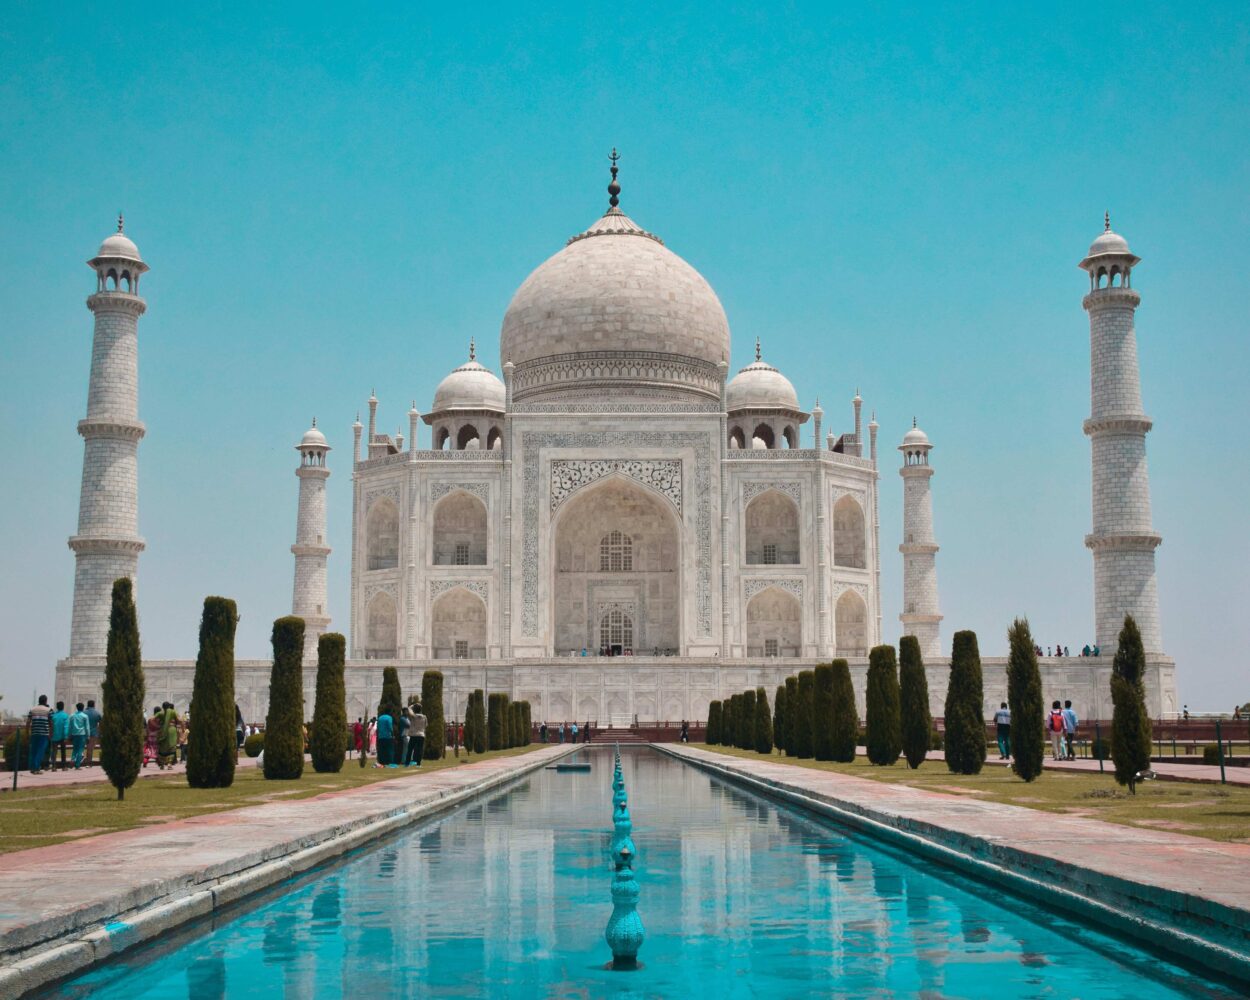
314 421
121 223
472 349
872 421
614 188
913 421
1106 222
757 348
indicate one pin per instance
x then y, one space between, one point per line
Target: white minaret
920 615
107 544
1122 540
310 548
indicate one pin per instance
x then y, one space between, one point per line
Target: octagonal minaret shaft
1122 540
920 615
310 548
107 544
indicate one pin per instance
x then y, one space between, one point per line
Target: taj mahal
616 527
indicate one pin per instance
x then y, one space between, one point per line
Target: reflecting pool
741 897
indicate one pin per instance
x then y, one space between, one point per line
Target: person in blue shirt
93 738
79 728
1069 728
60 734
386 732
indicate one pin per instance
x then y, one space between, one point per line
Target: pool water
741 897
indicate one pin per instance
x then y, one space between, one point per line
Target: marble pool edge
1190 926
67 947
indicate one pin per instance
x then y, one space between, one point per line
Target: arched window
616 553
848 534
851 625
790 436
772 530
380 633
468 438
737 439
763 438
774 623
442 439
494 440
459 531
459 625
616 630
382 534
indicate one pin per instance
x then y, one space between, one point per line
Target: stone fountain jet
624 932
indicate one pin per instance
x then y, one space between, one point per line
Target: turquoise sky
336 198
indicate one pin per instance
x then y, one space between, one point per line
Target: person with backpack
1002 723
1070 723
1055 729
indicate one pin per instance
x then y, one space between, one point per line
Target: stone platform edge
1196 929
60 951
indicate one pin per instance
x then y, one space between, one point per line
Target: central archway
616 558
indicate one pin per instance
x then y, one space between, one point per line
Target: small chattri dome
469 387
1108 242
760 386
313 438
119 246
915 437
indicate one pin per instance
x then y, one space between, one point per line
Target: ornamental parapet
918 548
1107 298
1137 541
914 618
1118 423
430 455
313 472
111 427
103 543
310 550
117 302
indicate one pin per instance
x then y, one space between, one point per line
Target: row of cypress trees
505 723
744 721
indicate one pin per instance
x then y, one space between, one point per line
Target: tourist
385 731
1048 651
1236 713
1185 714
1097 650
401 741
238 728
358 734
93 738
1069 729
416 748
561 731
151 744
167 739
542 732
1085 650
586 732
373 736
184 737
573 731
685 731
1054 726
40 733
78 727
1002 723
1065 651
60 734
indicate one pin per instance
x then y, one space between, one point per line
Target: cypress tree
432 708
965 705
845 714
391 703
211 746
1130 723
822 712
802 714
1024 698
284 724
480 740
763 723
739 721
713 724
329 726
730 737
527 724
746 732
917 721
792 714
518 723
779 717
884 738
123 727
496 730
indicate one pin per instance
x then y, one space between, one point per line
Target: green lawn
37 817
1217 812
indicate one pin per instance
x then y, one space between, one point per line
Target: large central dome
615 312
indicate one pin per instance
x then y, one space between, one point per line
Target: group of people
77 732
167 734
1087 650
556 733
1061 725
391 745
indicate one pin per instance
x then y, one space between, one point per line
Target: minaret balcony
111 427
1118 423
1136 541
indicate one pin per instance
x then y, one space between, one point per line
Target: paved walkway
189 868
1204 773
1185 893
88 775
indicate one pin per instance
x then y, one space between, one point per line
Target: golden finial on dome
614 188
472 350
757 348
1106 222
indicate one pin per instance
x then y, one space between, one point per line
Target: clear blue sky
334 199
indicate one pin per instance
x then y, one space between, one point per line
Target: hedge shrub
802 715
763 723
884 736
845 714
916 719
822 712
123 726
436 718
284 724
713 723
211 746
329 726
1024 699
1130 723
964 718
254 744
779 717
792 715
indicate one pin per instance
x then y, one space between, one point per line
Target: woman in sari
152 742
168 738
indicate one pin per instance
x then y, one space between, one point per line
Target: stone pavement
1185 894
87 775
1202 773
134 884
